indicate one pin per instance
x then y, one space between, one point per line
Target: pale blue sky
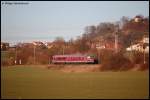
49 19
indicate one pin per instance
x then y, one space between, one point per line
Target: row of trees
128 32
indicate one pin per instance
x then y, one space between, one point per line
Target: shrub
30 60
144 66
116 62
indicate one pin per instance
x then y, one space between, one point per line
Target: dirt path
76 67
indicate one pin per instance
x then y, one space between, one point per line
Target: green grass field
30 82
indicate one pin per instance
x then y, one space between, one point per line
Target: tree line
128 31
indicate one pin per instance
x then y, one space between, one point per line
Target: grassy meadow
28 82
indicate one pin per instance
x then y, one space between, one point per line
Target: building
142 46
4 46
49 45
138 19
145 40
106 45
38 43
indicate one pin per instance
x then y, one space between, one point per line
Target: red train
73 59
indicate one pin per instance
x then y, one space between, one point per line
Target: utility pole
116 38
16 56
144 57
144 51
116 43
34 53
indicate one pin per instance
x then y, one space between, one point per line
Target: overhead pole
16 56
34 54
116 38
34 45
144 51
116 42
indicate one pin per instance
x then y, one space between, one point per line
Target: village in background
117 46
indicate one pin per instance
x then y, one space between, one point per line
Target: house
28 45
106 45
138 47
142 46
49 45
4 46
138 19
38 43
145 40
97 45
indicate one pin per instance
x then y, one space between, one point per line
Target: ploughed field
39 82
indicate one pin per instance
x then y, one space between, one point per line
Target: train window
61 58
55 58
58 58
82 58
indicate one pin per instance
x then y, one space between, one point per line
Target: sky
46 20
